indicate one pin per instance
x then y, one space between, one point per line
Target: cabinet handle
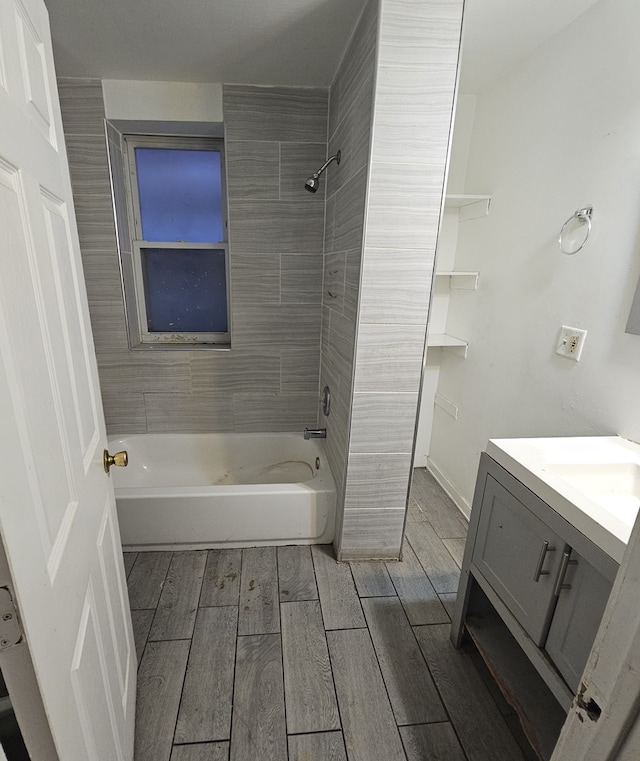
564 564
543 554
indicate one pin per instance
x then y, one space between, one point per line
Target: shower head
313 183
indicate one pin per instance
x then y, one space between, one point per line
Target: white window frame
138 243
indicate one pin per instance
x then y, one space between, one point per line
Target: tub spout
315 433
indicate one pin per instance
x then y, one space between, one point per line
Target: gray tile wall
275 138
350 110
414 90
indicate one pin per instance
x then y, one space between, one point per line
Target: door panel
57 508
576 619
45 439
507 551
33 67
68 284
91 689
113 599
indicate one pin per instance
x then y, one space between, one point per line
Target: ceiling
284 42
498 34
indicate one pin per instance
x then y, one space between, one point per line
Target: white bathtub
223 490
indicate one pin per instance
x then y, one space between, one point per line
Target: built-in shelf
461 281
463 199
470 206
442 339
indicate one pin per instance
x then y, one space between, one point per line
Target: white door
603 723
57 511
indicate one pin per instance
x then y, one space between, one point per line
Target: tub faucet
315 433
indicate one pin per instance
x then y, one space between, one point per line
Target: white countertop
592 481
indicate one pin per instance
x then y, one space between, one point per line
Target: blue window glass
185 290
180 192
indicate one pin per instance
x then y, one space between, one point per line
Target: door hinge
10 629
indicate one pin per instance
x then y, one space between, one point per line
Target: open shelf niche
469 207
450 281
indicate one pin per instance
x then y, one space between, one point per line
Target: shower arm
335 158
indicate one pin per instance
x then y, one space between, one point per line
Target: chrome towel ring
584 218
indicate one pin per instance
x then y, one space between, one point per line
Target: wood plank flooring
295 574
282 654
310 697
221 583
323 746
259 729
205 708
259 598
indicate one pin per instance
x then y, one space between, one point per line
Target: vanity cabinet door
576 618
519 557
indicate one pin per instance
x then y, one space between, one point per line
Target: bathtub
192 491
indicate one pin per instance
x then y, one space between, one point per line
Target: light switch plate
570 342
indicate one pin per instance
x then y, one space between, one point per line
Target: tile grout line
204 573
437 688
164 581
435 684
284 696
424 658
186 667
147 640
314 732
408 538
333 679
235 653
128 573
384 682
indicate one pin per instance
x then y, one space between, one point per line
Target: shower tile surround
389 185
350 111
269 380
358 320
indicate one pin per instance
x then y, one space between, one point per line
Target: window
177 215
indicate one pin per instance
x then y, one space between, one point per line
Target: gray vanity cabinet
531 587
519 555
576 618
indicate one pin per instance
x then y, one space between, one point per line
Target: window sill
180 347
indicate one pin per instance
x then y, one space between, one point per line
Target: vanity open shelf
539 564
540 714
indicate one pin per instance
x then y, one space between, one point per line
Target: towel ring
584 217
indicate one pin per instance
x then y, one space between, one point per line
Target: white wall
561 131
162 101
461 142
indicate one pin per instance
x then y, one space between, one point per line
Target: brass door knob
120 459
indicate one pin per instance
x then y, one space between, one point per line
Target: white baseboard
460 502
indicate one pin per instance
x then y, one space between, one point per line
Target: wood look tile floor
282 654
